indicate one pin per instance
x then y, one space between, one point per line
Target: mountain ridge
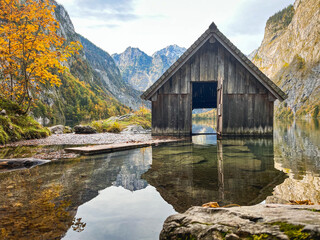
141 70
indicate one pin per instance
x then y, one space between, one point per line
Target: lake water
129 194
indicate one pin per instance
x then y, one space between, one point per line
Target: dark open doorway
204 95
204 107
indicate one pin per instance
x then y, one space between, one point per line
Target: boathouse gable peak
213 34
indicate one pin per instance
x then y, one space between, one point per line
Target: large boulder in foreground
252 222
84 129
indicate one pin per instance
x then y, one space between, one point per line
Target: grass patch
114 128
293 231
186 237
142 117
311 210
263 236
16 126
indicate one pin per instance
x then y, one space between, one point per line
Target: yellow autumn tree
32 52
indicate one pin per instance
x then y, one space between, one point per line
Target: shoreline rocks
272 221
82 139
3 112
136 129
84 129
58 129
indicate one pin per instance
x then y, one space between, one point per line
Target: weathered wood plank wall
245 109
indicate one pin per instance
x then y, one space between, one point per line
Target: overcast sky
152 25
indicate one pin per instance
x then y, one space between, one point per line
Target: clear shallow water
128 195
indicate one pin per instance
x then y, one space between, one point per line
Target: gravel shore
83 139
52 147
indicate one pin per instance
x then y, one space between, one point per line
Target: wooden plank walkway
107 148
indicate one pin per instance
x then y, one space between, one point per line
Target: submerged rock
264 221
20 163
84 129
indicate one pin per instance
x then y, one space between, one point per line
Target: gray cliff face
100 62
66 25
105 67
163 59
134 66
140 70
290 55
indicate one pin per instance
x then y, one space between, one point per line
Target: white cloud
153 24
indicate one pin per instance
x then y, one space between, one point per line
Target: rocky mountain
134 66
290 56
140 70
92 88
104 65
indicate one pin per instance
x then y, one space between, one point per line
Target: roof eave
176 66
253 69
213 31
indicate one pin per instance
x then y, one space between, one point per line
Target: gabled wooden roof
223 40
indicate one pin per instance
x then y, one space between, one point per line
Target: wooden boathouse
213 73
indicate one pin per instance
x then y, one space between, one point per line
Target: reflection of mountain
297 153
129 176
202 129
308 188
203 125
24 209
297 146
210 139
234 171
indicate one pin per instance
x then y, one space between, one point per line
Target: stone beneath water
20 163
84 129
261 221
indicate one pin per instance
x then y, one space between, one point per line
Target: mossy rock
17 126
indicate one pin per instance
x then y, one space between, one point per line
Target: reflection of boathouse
213 73
234 171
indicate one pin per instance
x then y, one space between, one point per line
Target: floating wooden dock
116 147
